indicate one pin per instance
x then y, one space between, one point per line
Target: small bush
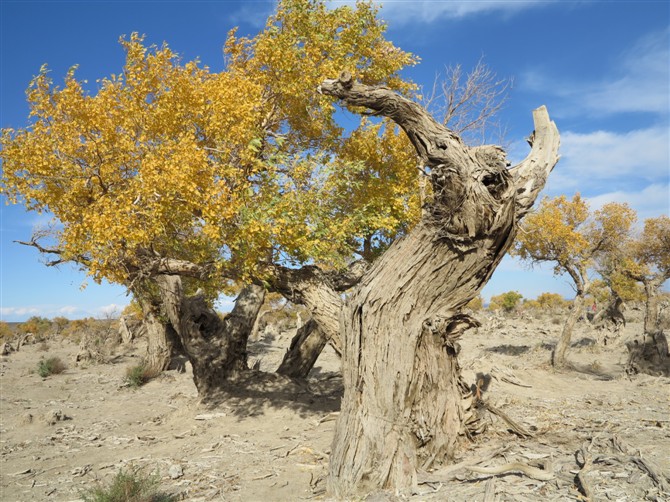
125 487
51 366
137 376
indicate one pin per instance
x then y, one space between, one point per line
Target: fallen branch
516 428
531 472
444 475
582 484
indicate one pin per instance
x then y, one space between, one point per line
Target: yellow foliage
567 233
650 253
233 167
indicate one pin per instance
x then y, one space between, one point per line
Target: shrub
51 366
137 376
129 487
505 301
476 304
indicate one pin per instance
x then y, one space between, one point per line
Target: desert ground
593 428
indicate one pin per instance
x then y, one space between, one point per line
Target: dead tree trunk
162 341
321 293
305 348
402 407
558 358
215 346
652 322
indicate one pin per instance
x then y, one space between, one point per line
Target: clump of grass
129 487
137 376
51 366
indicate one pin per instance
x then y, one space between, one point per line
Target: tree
648 261
551 301
505 301
566 233
212 177
402 406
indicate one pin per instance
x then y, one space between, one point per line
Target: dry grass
51 366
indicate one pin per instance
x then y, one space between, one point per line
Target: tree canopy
568 234
171 160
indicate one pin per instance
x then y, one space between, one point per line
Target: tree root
531 472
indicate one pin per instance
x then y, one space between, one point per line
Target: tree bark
319 291
215 346
162 343
558 360
652 322
306 346
403 399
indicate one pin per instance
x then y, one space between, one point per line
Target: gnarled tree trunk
652 322
305 348
215 346
321 293
402 405
558 359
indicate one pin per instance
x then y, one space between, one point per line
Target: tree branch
56 251
531 174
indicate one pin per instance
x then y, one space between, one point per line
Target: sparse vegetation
51 366
506 301
129 487
140 374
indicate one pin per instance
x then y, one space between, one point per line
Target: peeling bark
305 348
558 359
318 291
215 346
400 326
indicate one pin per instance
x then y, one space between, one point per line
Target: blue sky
601 67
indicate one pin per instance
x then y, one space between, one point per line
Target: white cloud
112 310
602 155
643 86
638 83
68 310
8 313
428 11
650 202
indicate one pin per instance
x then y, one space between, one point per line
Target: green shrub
51 366
129 487
505 301
137 376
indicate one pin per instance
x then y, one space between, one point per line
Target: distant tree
568 234
647 260
476 304
38 326
552 301
59 324
6 331
508 301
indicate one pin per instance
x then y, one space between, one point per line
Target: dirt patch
590 424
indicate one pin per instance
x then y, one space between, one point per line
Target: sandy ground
64 433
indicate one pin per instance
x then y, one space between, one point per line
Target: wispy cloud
428 11
111 310
616 167
253 14
646 201
638 83
11 313
591 158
